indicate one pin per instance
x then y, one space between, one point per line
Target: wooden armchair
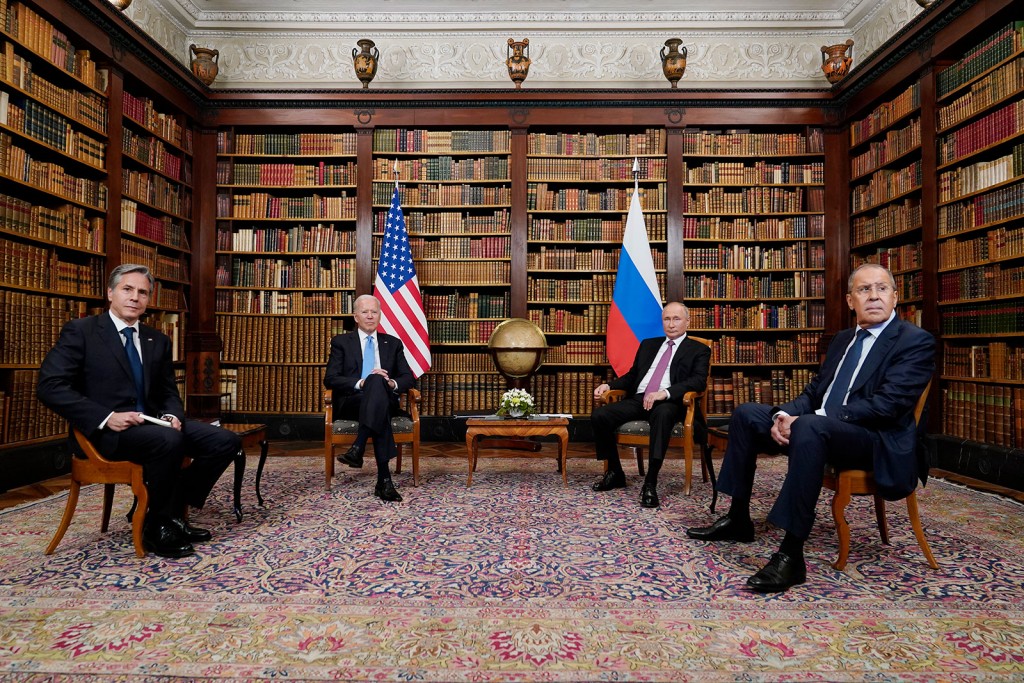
342 433
637 434
862 483
95 469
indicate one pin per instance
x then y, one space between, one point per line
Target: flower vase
835 62
515 413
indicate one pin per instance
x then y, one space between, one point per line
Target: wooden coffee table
251 435
478 428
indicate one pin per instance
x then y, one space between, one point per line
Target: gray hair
849 281
117 274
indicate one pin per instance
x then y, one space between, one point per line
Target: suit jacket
345 365
688 371
891 379
86 376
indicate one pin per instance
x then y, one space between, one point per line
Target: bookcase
286 262
886 171
579 187
456 196
980 234
53 163
753 231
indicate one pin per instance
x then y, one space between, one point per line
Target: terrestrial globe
517 347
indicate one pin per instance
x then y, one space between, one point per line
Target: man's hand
651 398
119 422
782 427
601 390
175 422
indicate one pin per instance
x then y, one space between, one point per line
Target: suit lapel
113 341
148 352
879 350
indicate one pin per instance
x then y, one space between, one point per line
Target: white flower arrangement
516 403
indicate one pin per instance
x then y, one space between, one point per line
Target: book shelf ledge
980 299
449 181
157 134
687 184
454 284
982 190
270 288
976 264
756 240
966 117
983 380
809 269
978 152
167 245
564 302
383 154
616 243
615 212
406 207
461 259
281 314
795 297
51 243
854 144
887 238
154 169
287 219
286 254
270 361
10 445
556 180
53 291
763 364
700 330
71 116
982 335
882 203
751 213
941 97
51 65
542 155
323 155
154 207
886 163
83 163
723 155
272 186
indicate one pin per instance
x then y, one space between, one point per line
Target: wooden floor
431 449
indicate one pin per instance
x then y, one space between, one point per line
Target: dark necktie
368 359
841 384
135 363
659 370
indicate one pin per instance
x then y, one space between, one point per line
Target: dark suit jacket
85 376
345 364
882 399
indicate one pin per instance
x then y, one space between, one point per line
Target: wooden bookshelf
754 257
980 234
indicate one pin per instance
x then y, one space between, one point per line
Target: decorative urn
365 60
518 61
835 62
673 62
204 63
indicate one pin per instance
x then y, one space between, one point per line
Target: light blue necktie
841 384
368 360
135 363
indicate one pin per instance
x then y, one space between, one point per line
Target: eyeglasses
881 289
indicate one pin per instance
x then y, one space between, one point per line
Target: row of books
718 228
254 339
774 286
46 40
891 219
577 352
463 273
443 195
173 325
983 318
66 224
163 229
444 393
755 200
154 153
989 413
597 288
570 392
760 317
310 272
729 349
650 142
143 111
461 331
264 205
32 323
592 229
444 361
896 259
17 163
997 243
745 143
760 172
168 297
471 305
592 320
998 205
885 185
156 191
84 106
995 87
982 175
24 417
558 258
274 388
540 198
885 114
910 285
286 175
733 390
455 247
739 257
896 143
440 168
994 360
448 222
268 302
164 266
440 141
988 53
28 265
285 144
42 124
1002 124
981 282
319 237
557 169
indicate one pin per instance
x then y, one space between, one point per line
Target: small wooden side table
478 428
251 435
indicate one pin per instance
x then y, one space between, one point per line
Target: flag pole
636 175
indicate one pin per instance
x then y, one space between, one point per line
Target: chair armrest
691 401
329 406
412 404
611 396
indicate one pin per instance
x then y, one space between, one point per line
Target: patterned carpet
513 579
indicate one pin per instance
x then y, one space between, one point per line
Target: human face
675 319
130 297
367 314
866 301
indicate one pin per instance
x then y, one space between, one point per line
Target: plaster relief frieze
882 23
170 34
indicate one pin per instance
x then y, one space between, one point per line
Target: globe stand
516 382
517 347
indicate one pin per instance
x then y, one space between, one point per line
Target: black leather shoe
724 529
781 573
649 496
166 541
192 534
353 457
386 492
611 480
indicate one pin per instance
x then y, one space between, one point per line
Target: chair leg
639 460
329 466
139 518
883 525
839 502
65 521
688 456
915 522
398 459
416 463
108 502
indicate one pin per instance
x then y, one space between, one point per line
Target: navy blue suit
85 377
875 430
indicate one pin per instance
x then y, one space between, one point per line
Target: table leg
563 442
259 470
471 444
239 475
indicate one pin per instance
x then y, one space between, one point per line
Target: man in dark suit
104 386
367 371
664 369
856 414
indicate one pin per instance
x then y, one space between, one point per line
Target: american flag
398 290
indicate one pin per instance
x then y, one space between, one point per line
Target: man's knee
747 414
809 426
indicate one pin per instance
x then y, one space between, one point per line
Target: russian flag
636 303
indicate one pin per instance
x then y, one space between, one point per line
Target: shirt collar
119 324
876 330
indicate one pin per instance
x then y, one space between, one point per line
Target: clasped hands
384 373
782 426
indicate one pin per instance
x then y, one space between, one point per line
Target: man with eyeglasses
857 413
